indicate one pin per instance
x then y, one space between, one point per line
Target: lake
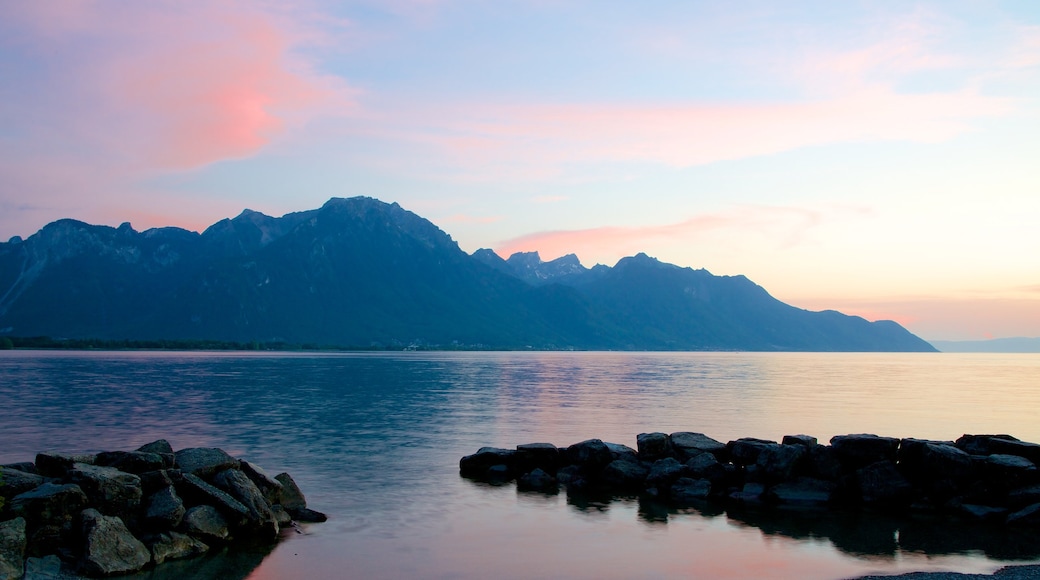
374 441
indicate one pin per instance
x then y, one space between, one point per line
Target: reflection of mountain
359 272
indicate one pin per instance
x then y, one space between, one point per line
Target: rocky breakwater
985 478
118 512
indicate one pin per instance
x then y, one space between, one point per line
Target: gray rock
14 481
686 490
49 503
174 546
240 487
688 445
570 475
160 446
164 509
924 461
624 475
476 465
536 480
591 455
204 461
803 440
135 462
861 450
619 451
194 491
12 549
745 451
281 515
1028 516
531 456
292 497
803 492
882 484
269 486
206 523
111 491
652 446
108 546
778 463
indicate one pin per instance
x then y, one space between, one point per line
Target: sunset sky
879 158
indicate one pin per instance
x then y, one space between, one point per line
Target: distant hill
1018 344
362 273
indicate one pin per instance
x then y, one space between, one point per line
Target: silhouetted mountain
1016 344
359 272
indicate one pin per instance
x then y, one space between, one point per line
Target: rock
803 440
744 451
135 462
111 491
1030 451
1027 516
204 461
881 484
982 512
939 468
292 497
858 451
592 455
164 509
48 567
174 546
308 515
979 444
23 466
624 475
153 481
499 474
206 523
663 473
58 464
778 463
652 446
536 480
1003 473
12 549
194 491
803 492
619 451
1021 497
160 446
49 503
268 485
281 515
240 487
531 456
686 490
14 482
688 445
706 466
476 465
569 474
108 547
751 493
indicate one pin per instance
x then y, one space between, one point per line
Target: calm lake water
374 441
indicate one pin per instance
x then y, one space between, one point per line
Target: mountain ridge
363 273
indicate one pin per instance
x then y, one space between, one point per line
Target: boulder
111 491
153 481
882 484
688 445
751 493
822 462
979 444
624 475
939 468
802 492
1023 496
982 513
49 504
206 523
14 482
108 546
12 549
204 461
619 451
652 446
744 451
174 546
592 455
861 450
803 440
194 492
308 515
663 473
58 464
23 466
1030 451
240 487
160 446
1027 516
292 497
531 456
686 490
135 462
48 567
476 465
570 475
268 485
537 480
778 463
164 509
1003 473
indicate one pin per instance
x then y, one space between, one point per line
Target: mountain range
362 273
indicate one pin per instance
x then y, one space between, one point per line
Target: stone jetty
983 478
119 512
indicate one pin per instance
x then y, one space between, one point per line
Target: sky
880 158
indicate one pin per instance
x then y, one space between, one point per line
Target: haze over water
374 441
